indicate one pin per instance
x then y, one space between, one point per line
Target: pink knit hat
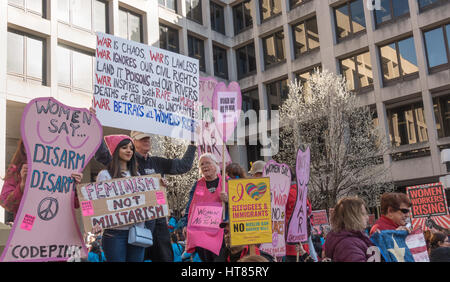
113 140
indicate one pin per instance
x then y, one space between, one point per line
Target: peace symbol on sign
48 208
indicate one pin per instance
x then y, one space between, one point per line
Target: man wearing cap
162 248
257 169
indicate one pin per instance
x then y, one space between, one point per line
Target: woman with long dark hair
123 164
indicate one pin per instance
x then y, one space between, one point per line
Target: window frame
444 66
199 57
400 78
308 49
393 18
262 20
411 106
24 75
169 28
431 6
277 51
437 99
241 6
247 61
71 85
220 74
213 7
199 21
356 82
352 34
279 93
28 10
141 24
92 28
168 8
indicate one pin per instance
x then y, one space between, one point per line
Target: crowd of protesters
127 156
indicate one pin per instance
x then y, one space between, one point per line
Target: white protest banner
144 88
122 201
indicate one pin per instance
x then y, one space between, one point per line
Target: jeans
116 247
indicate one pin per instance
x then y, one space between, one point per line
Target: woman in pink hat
123 164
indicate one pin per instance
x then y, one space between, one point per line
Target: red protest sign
427 200
319 217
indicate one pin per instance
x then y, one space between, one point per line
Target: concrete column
327 35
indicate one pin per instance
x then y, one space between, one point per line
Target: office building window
273 46
306 36
197 51
357 70
169 4
277 93
391 9
349 19
246 60
220 62
437 44
130 26
26 56
304 76
295 3
442 114
32 6
217 18
194 10
398 59
407 125
87 14
269 8
168 38
250 101
429 3
242 16
75 68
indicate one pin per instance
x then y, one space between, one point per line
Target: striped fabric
417 245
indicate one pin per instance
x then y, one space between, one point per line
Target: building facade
396 58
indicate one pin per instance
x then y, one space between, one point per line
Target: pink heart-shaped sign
256 192
226 104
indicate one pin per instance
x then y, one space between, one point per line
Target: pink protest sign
280 181
226 104
297 228
210 139
59 140
206 216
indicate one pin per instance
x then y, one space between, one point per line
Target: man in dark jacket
161 249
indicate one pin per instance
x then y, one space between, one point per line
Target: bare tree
346 147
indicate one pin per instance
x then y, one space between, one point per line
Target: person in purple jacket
347 241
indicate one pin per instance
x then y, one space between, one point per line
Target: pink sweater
11 194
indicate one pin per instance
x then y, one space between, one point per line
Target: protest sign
280 181
250 211
297 229
429 205
210 140
144 88
319 221
59 140
122 201
226 104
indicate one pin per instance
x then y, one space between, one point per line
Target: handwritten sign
319 221
59 140
250 211
210 140
227 103
297 229
123 201
144 88
209 216
280 181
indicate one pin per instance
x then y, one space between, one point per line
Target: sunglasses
405 211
